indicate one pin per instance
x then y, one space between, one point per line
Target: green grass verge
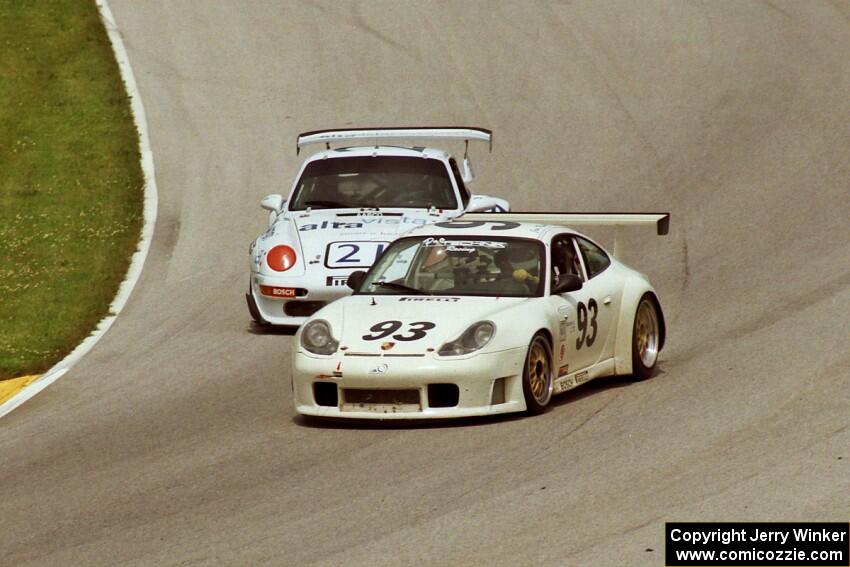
70 181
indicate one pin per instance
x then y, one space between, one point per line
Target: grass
70 180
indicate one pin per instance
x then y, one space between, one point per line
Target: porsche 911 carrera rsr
346 206
476 317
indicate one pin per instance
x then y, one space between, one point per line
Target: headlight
475 337
317 338
281 258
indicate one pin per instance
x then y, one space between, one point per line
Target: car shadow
257 329
571 396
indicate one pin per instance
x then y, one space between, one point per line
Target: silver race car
346 206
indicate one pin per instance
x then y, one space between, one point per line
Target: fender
283 231
634 289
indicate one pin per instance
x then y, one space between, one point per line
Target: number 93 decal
414 332
586 339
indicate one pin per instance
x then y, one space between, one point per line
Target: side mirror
272 203
487 204
466 173
356 279
566 283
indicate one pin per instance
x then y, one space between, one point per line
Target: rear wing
661 221
412 133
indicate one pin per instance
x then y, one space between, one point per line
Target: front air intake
498 396
443 395
325 394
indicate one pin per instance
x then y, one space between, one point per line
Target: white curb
150 206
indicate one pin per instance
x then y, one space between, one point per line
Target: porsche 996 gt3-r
475 317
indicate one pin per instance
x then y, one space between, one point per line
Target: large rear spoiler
412 133
661 221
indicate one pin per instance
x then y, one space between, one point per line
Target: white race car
476 317
346 206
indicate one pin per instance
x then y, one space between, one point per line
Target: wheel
537 375
645 339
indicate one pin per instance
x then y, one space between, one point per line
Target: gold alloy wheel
539 373
646 333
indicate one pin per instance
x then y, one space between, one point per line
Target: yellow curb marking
9 388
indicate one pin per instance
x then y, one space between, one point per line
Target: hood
324 238
317 229
426 322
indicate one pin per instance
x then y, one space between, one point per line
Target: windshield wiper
401 287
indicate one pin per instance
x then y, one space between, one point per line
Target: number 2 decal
585 339
386 328
349 257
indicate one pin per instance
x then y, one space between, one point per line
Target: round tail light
280 258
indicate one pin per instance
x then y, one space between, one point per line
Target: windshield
374 181
475 265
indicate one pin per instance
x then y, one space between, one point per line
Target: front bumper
274 309
402 387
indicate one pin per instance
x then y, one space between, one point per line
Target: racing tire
646 339
537 377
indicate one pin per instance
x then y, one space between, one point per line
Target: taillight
280 258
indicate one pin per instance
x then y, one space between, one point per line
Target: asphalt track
174 442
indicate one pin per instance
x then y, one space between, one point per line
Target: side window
564 257
465 196
595 258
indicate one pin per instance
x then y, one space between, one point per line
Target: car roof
494 229
359 151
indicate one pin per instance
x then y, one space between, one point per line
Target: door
604 294
585 315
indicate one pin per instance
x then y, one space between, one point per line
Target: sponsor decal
564 370
362 222
563 351
336 281
494 225
273 291
387 345
380 369
446 299
582 377
564 385
562 329
463 245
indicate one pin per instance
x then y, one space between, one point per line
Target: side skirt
570 381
